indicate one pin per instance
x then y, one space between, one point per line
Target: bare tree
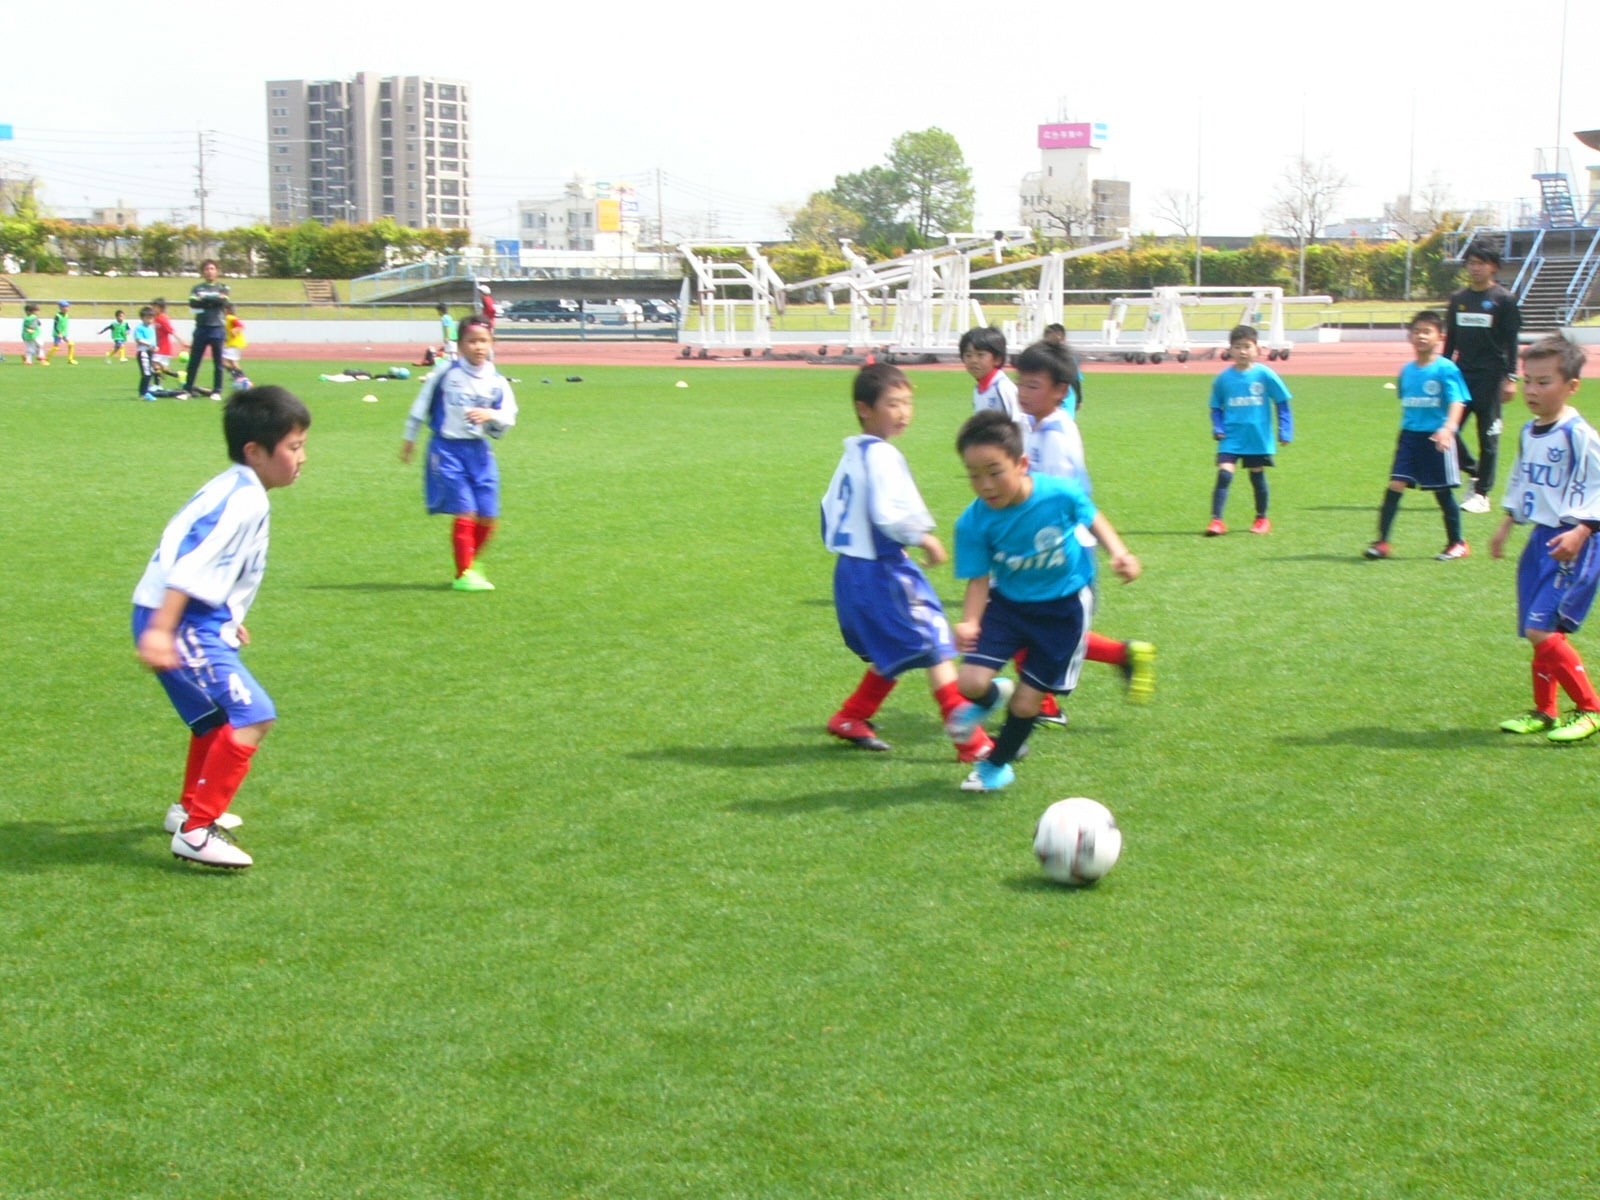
1069 215
1179 210
1304 201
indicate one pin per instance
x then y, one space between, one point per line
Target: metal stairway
1555 200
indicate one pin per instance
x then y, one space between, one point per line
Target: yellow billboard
608 216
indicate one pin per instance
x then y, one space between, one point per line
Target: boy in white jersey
889 614
1047 376
1554 486
464 402
983 354
189 611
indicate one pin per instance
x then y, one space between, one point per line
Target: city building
1065 197
365 148
602 217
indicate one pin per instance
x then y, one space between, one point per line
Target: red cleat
1451 553
1378 550
975 749
1216 528
1261 525
857 732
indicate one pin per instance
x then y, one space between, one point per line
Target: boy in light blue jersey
1030 588
189 611
1433 399
1554 487
1242 401
889 614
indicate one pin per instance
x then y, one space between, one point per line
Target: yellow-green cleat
1532 721
472 580
1140 672
1582 724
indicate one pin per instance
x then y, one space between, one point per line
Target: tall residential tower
362 149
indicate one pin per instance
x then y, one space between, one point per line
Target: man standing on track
1481 336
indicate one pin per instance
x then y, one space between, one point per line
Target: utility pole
200 191
1199 181
661 225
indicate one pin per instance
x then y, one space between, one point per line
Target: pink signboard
1071 137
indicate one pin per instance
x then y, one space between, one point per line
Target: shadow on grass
784 754
1379 737
1038 883
27 847
1167 533
376 587
859 799
1354 560
1366 508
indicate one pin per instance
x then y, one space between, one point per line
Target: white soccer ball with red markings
1077 841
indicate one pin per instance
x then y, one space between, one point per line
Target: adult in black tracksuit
207 300
1481 336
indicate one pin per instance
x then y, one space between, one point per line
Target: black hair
871 382
28 308
264 415
1047 358
1426 317
146 313
472 323
1568 354
210 262
1056 327
1484 251
990 339
1243 333
991 427
442 307
118 313
160 303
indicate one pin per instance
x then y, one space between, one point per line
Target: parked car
620 313
661 310
542 310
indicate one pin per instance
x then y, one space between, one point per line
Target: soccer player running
1554 486
1481 327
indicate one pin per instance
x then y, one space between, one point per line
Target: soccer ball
241 383
1077 841
401 373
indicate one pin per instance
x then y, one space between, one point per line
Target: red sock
869 694
948 698
199 746
225 769
480 534
1107 650
1546 690
463 541
1569 672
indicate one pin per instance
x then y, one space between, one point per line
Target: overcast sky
746 109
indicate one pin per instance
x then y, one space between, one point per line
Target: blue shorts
1055 633
1421 464
212 685
461 476
889 614
1554 596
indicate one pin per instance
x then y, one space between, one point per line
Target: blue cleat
986 777
964 718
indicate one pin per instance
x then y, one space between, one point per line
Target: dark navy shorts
1055 633
1419 463
1248 461
890 615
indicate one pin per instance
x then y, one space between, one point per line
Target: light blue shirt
1241 410
1030 551
1426 394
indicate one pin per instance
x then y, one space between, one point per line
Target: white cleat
211 846
1475 503
177 815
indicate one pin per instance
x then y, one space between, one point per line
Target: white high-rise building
1065 197
365 148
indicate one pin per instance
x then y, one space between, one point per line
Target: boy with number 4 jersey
889 614
1554 486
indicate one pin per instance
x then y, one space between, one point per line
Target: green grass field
561 891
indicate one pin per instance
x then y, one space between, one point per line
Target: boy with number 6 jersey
1554 486
888 613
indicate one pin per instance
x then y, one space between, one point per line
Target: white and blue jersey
1555 484
1030 551
1427 392
1055 447
1242 404
215 551
888 612
460 474
998 392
